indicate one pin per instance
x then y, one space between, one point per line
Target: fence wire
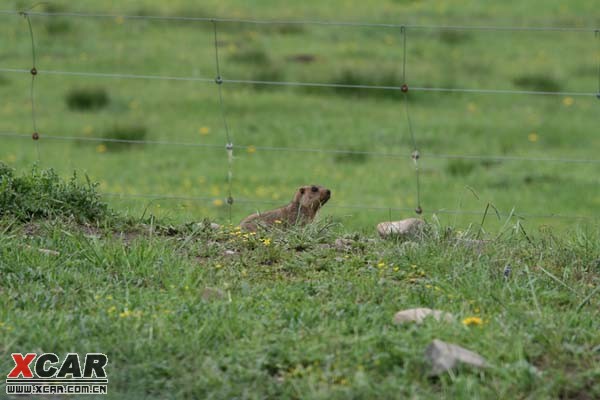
302 84
348 206
481 157
312 22
229 145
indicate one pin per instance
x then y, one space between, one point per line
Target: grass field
322 118
187 312
184 312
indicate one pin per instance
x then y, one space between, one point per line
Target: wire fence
16 135
303 84
229 145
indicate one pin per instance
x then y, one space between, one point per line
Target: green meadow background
315 118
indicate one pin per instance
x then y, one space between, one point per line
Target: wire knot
404 88
218 80
35 136
230 200
415 155
229 146
419 210
33 71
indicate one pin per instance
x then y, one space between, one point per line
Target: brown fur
300 211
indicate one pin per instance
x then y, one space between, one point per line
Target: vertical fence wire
35 135
415 154
229 144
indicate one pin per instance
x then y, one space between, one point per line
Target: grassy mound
43 194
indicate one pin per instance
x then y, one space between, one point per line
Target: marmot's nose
328 193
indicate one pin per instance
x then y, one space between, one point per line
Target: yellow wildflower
251 149
472 321
533 137
204 130
101 148
568 101
218 202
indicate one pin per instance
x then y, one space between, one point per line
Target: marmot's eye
314 189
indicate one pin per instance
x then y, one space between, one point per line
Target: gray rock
212 225
343 244
445 356
406 229
418 315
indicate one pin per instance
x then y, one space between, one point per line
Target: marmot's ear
298 195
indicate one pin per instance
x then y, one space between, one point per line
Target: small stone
406 229
212 294
229 252
446 356
418 315
343 244
212 225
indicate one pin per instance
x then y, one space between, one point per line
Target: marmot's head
312 197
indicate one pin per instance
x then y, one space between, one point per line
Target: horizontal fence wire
351 207
308 150
301 84
310 22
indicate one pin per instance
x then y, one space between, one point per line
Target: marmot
302 209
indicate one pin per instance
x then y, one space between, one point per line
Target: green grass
299 317
187 311
295 317
368 120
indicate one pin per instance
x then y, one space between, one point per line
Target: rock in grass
445 356
343 244
406 229
418 315
211 225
